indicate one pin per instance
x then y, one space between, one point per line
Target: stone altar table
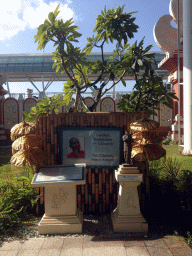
127 216
61 214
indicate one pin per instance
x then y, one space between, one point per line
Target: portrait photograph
76 147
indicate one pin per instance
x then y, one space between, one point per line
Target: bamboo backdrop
99 194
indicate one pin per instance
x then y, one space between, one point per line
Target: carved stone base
132 224
61 224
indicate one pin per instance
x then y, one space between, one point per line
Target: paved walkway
97 246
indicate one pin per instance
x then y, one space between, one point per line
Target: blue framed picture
94 146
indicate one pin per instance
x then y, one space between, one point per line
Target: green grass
173 151
8 172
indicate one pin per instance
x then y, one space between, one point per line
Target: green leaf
51 17
56 12
123 82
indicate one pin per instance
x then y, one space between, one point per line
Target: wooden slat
49 153
93 190
83 198
40 128
107 189
111 182
79 201
52 130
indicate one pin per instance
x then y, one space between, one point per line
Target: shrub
170 194
17 201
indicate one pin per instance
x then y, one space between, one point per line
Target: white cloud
17 15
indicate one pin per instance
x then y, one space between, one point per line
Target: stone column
187 75
127 216
61 213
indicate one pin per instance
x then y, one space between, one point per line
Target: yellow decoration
21 129
26 141
28 157
27 146
147 136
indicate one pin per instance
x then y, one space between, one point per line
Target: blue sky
19 20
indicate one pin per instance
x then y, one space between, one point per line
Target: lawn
7 173
173 151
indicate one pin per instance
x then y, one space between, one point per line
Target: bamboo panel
121 119
52 130
111 190
78 120
63 119
81 120
106 123
100 191
48 130
55 135
111 182
40 128
86 193
84 119
92 120
52 159
103 120
93 189
99 194
82 198
103 190
70 118
44 124
56 145
79 201
89 190
95 120
49 153
107 189
58 120
110 121
97 189
88 120
67 120
115 120
74 120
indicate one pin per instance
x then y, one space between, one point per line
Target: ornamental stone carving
11 113
29 103
107 105
59 198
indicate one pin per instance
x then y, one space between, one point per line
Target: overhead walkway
35 67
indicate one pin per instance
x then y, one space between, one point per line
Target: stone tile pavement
97 246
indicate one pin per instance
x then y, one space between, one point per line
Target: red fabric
73 155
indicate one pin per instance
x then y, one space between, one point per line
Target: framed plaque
94 146
51 175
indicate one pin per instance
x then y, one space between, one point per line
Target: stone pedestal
61 214
127 216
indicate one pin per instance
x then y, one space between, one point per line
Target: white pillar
187 75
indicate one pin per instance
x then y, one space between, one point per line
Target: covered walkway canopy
35 67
